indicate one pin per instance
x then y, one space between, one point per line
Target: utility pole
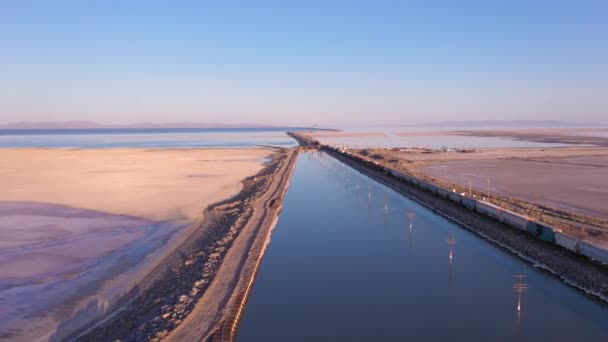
470 191
489 181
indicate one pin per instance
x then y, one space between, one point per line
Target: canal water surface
343 267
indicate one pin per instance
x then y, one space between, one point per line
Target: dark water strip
341 267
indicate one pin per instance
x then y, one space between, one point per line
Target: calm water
340 269
435 141
147 138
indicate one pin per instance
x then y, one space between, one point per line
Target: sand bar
69 219
186 297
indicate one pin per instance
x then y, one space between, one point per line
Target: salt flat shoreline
185 297
79 228
561 136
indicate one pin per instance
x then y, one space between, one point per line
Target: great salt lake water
340 267
435 141
147 138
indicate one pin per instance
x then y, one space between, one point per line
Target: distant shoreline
77 130
187 292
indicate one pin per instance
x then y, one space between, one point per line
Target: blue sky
303 62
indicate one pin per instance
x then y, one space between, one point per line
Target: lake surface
148 138
435 141
342 268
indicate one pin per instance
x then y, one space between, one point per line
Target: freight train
539 230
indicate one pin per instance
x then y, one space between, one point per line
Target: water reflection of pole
369 196
519 287
386 203
411 216
451 242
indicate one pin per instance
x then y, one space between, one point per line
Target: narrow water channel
343 267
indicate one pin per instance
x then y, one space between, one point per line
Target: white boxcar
566 241
468 202
454 197
442 192
594 251
515 220
424 185
488 209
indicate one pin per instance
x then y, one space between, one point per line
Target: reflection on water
343 268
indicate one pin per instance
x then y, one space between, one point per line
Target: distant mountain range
94 125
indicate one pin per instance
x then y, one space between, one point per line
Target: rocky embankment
171 292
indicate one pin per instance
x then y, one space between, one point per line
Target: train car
594 252
442 192
566 241
360 159
432 188
407 178
423 185
488 209
533 228
454 197
468 202
546 232
516 220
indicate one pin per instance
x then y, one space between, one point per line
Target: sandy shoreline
186 295
249 255
79 228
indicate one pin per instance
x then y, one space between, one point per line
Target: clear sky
303 62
